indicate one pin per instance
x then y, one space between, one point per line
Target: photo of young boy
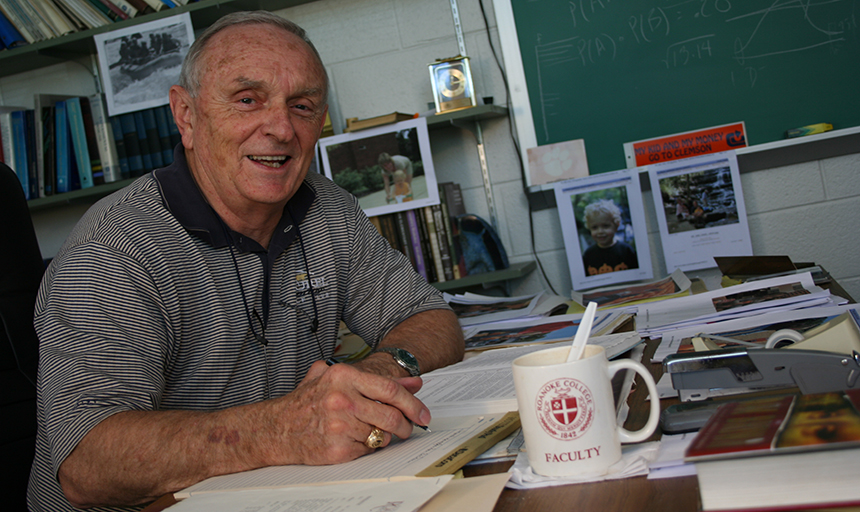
608 251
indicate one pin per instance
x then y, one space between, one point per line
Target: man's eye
246 101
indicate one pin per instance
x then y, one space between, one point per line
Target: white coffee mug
567 411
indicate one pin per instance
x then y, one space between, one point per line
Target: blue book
64 156
152 138
32 167
145 152
164 134
79 141
19 141
132 146
119 142
9 35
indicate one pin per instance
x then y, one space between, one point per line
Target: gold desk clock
452 84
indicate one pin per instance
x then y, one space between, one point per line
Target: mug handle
654 418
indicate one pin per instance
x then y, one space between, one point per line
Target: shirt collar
186 202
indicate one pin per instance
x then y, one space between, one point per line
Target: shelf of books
41 33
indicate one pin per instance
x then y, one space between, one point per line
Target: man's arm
137 456
434 337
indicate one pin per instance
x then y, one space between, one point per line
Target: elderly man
184 322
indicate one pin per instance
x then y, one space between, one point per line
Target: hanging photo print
603 222
700 210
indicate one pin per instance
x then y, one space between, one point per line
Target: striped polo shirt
143 309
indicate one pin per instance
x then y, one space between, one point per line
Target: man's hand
330 414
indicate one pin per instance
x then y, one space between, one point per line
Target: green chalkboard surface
615 71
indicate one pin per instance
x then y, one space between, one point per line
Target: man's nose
279 123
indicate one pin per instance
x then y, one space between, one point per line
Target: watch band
404 358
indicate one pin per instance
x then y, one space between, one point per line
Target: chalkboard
614 71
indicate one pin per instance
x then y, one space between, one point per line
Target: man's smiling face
256 117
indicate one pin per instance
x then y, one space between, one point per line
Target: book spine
48 175
32 161
54 17
9 34
19 139
141 6
403 236
119 144
126 7
25 14
70 15
79 142
415 236
425 246
153 138
449 238
164 134
156 5
104 140
132 145
61 130
456 207
108 10
442 235
6 138
145 152
434 243
92 143
13 14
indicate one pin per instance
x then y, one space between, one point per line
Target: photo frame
356 162
617 249
139 64
700 210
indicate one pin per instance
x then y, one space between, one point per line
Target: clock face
452 82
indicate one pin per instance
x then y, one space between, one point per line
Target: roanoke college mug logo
565 408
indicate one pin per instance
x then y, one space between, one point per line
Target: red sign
683 145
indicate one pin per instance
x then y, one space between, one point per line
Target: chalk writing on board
735 40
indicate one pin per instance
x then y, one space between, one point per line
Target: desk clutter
762 445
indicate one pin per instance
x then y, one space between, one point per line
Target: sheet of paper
402 458
474 494
404 495
474 309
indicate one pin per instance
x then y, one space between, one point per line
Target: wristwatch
404 358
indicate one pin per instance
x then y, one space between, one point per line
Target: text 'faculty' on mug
567 411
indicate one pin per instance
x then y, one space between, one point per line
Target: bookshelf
80 196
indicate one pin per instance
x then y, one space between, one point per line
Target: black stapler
702 375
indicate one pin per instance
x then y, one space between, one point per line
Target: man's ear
181 104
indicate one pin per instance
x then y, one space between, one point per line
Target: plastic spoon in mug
582 334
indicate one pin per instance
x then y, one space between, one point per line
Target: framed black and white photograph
388 168
603 222
139 64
